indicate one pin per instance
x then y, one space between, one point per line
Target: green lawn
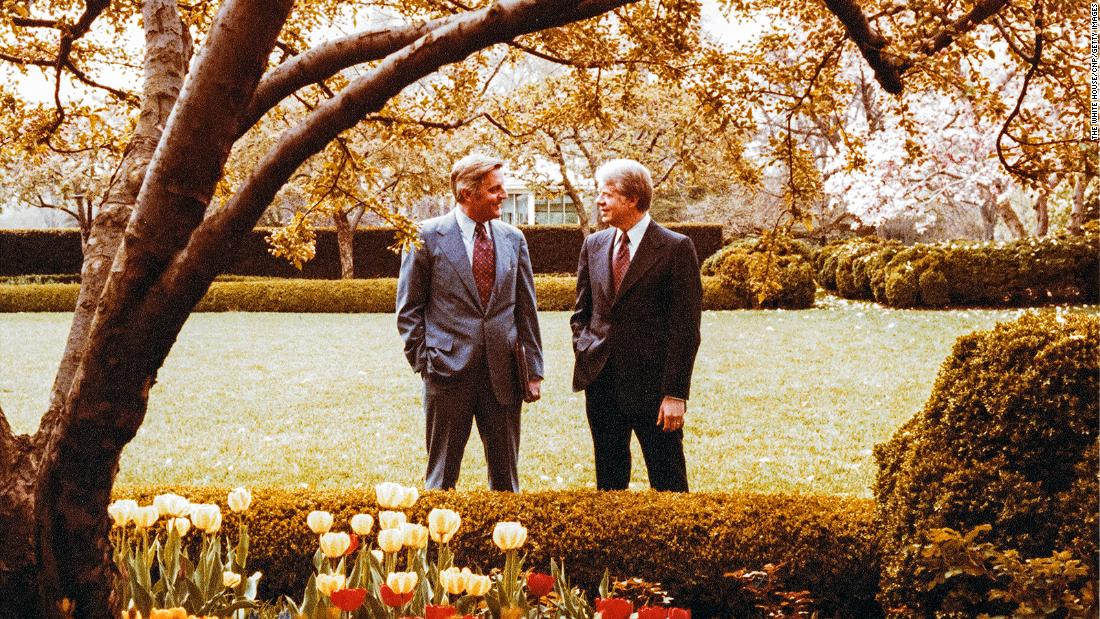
782 401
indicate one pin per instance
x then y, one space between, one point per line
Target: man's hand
671 414
534 390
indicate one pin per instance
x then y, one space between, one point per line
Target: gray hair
630 178
466 174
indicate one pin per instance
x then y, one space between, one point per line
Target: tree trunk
571 189
345 241
1042 211
1011 219
168 50
1077 216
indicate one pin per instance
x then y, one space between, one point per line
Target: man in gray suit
465 297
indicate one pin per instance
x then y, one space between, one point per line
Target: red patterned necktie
484 263
622 261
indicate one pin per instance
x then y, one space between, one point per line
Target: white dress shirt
469 229
635 234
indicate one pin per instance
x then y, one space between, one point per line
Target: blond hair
466 174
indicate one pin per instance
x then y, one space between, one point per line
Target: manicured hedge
685 541
302 295
1027 272
553 249
1008 438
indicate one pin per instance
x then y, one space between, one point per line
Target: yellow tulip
171 613
122 511
180 525
478 585
391 540
389 495
416 535
453 580
409 496
327 583
509 535
401 582
172 505
240 499
145 517
335 544
231 579
391 520
319 522
443 523
206 517
362 524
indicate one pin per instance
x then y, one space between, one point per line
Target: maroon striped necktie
622 262
484 263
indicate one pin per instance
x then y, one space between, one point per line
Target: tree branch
1015 168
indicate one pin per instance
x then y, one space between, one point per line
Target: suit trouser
612 418
451 407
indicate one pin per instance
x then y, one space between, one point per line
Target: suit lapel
600 271
455 250
504 258
644 259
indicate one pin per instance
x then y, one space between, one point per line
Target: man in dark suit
635 332
464 299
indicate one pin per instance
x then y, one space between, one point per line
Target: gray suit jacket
440 316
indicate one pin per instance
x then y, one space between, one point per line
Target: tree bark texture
571 189
1042 211
345 242
1077 215
1011 219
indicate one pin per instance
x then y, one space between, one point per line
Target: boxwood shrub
1008 438
255 294
1032 271
773 272
685 541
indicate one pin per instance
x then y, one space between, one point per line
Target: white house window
555 210
514 209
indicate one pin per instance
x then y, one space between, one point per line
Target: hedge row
1008 438
1020 273
685 541
553 249
302 295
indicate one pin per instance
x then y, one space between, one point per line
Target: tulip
327 583
443 523
349 600
378 555
231 579
394 600
613 608
362 524
207 518
432 611
453 580
478 585
391 520
354 544
180 525
409 496
335 544
679 613
389 494
401 582
172 505
240 499
319 522
653 612
416 535
122 511
539 585
145 517
170 613
391 540
509 535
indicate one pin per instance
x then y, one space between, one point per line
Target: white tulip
206 517
319 522
122 511
145 517
401 582
180 525
389 494
509 535
362 524
240 499
391 520
231 579
329 583
391 540
443 523
416 535
335 544
172 505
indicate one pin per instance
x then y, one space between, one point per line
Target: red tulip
354 544
349 599
439 612
394 600
679 613
539 585
652 612
613 608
